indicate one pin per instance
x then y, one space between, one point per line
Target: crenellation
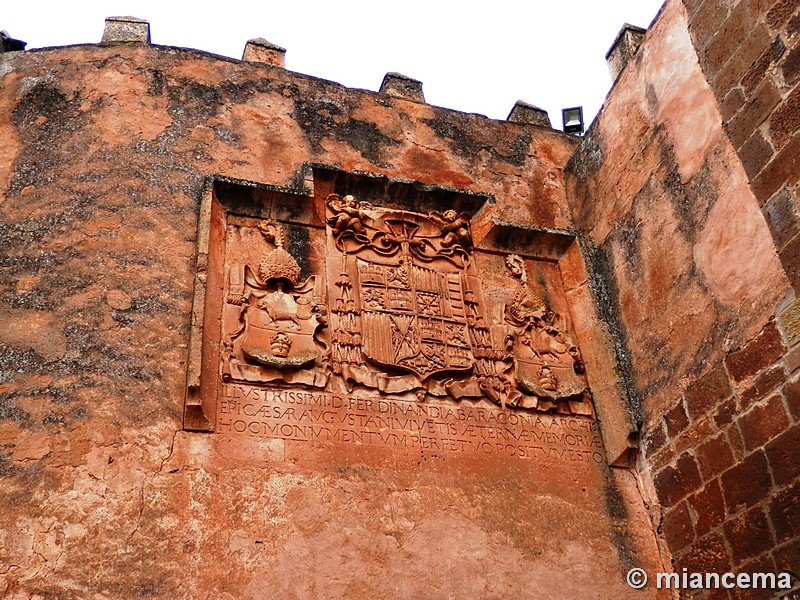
624 48
528 113
249 315
259 50
398 85
126 30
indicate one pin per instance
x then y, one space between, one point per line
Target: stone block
706 21
676 482
763 422
789 322
746 483
790 259
782 218
762 564
793 26
755 153
725 413
126 30
787 556
259 50
707 392
791 391
708 507
678 528
758 69
729 36
740 63
784 512
763 384
755 111
782 169
792 360
784 122
676 419
706 554
733 101
624 48
748 535
398 85
791 66
694 435
714 456
736 442
9 44
528 113
763 350
654 439
783 454
781 12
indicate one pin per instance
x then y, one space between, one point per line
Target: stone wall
124 169
702 279
137 181
750 55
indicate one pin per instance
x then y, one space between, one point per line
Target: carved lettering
388 336
301 416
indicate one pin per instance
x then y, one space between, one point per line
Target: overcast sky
479 59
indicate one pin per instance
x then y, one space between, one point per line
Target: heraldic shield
402 289
415 316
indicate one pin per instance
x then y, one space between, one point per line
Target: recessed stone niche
365 321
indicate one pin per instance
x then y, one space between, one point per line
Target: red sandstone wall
750 55
669 186
104 156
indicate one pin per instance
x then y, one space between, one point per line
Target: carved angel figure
454 228
348 214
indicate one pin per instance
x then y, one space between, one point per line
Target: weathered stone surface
180 375
624 48
260 50
789 320
123 30
680 213
682 244
758 354
402 86
98 294
528 113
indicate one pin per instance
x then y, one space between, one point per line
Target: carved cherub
454 228
348 214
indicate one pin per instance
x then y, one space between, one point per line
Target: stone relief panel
399 308
274 320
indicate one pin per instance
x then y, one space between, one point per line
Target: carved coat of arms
279 322
399 309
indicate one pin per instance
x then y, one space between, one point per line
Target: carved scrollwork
407 314
281 319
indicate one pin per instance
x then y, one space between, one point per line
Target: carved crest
280 319
405 303
404 299
543 360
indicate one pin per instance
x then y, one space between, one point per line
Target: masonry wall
684 188
106 157
749 53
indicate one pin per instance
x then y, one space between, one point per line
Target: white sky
475 58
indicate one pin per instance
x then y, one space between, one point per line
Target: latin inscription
443 428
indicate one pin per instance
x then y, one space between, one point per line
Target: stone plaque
369 326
